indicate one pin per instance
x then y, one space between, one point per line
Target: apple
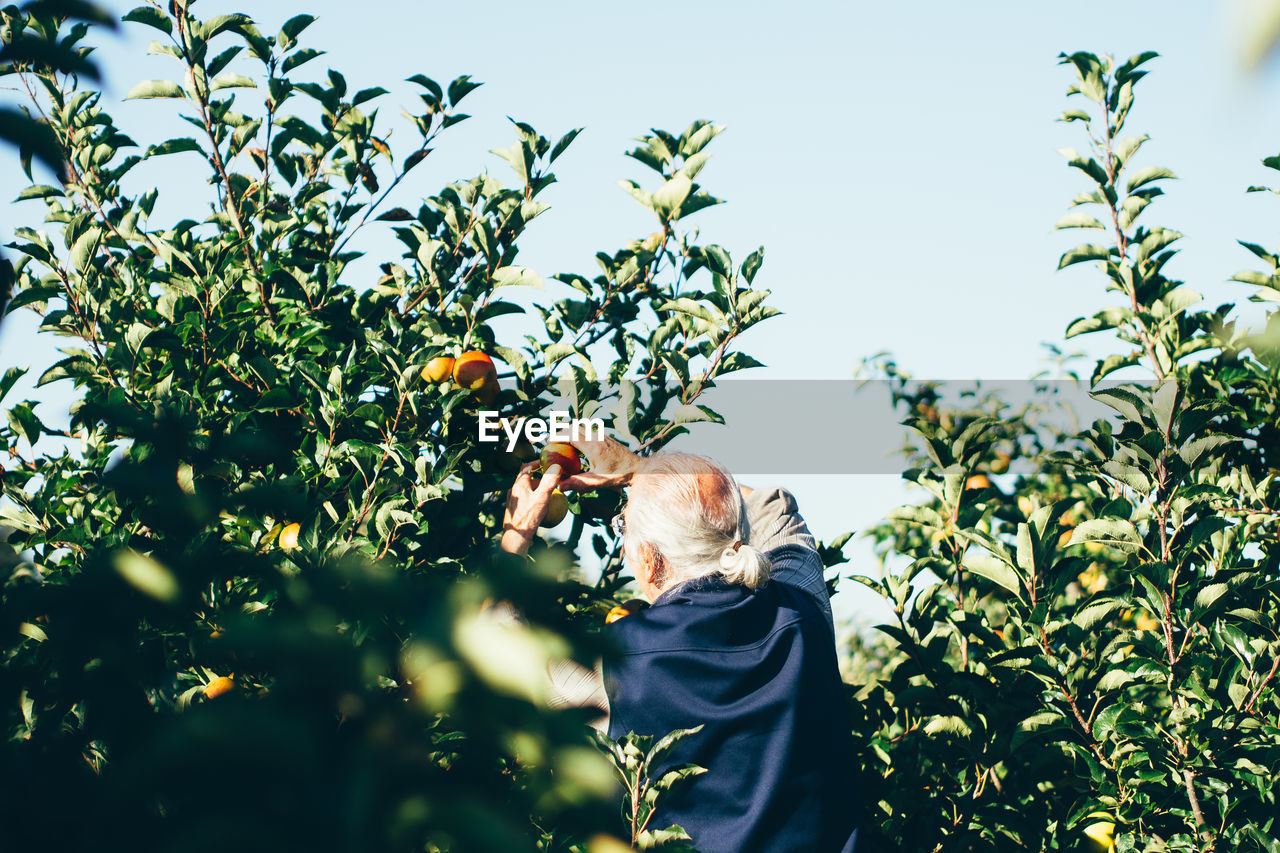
1101 834
218 686
557 509
438 369
473 370
488 390
635 605
563 454
289 536
978 481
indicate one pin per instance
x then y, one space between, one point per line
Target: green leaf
85 247
1086 252
1114 532
670 197
1128 404
1078 220
1209 594
174 146
694 308
277 398
298 57
994 570
1163 403
1197 447
1108 318
1114 680
1129 146
1148 175
738 361
1126 71
563 143
516 277
367 95
460 88
1093 613
232 81
155 89
221 23
40 191
295 25
146 575
151 17
659 751
32 295
752 264
1028 728
11 376
1132 476
223 59
515 157
1111 364
19 518
949 724
1088 165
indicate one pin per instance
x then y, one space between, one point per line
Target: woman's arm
612 466
526 507
777 529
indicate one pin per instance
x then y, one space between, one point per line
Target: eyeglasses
619 525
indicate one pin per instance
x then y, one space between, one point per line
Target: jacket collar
709 588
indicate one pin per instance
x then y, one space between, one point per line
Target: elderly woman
738 639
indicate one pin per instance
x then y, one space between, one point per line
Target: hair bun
731 555
743 564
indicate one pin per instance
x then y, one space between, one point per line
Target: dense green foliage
1085 627
1084 633
234 376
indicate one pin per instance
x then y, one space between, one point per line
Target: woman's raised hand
612 466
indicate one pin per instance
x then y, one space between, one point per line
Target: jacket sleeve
572 685
777 529
569 684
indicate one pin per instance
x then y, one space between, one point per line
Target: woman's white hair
689 510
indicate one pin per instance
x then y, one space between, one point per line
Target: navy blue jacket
757 669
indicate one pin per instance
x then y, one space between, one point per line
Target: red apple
563 454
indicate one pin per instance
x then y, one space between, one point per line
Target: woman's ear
647 565
650 571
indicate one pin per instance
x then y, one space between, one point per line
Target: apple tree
1083 650
257 561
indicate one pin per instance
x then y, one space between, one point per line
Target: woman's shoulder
710 615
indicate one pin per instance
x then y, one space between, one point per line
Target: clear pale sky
897 160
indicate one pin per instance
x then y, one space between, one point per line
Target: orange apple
488 390
635 605
472 370
978 481
218 686
438 369
289 536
